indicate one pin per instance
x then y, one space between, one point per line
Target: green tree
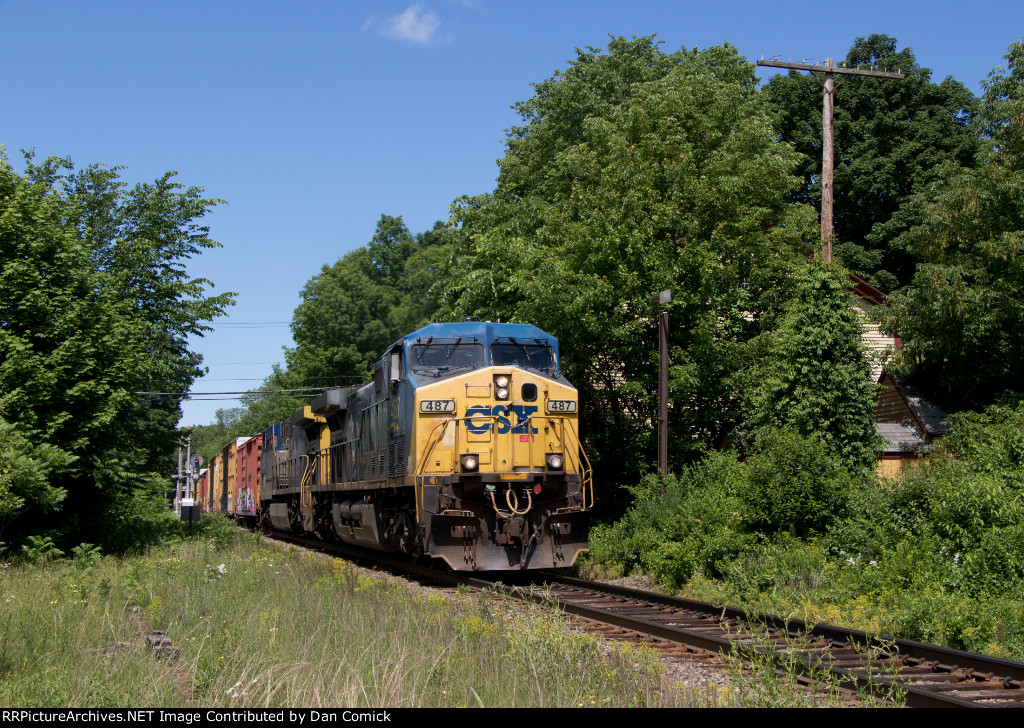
962 317
206 440
97 306
636 172
28 469
595 83
353 310
811 374
892 138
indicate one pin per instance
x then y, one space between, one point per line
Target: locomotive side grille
396 458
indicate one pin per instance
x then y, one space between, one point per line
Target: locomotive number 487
437 405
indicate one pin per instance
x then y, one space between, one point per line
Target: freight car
465 448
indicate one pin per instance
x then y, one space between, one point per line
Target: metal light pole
658 300
188 511
176 505
188 459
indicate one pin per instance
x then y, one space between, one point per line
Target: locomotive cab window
536 356
440 355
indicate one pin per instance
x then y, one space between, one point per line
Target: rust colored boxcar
247 476
200 490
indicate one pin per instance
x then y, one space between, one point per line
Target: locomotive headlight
470 463
502 393
555 462
501 384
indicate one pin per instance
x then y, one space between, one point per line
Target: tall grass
257 626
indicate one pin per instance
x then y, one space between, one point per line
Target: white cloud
414 25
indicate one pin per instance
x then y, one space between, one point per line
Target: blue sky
311 119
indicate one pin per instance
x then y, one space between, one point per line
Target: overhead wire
262 391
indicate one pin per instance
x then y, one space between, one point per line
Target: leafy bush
219 529
27 467
794 484
936 555
40 548
678 525
813 374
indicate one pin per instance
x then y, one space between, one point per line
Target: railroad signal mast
828 70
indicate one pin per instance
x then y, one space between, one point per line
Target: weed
779 668
261 627
40 548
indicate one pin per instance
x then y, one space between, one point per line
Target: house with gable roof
908 423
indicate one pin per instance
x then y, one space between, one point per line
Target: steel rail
979 676
993 678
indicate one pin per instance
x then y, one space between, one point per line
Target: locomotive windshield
442 355
517 353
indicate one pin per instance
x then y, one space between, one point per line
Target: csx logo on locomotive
522 412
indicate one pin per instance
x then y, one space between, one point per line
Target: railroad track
929 676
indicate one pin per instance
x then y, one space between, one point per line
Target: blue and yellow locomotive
465 447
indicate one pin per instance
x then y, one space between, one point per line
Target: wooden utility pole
827 143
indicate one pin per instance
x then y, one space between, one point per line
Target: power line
236 399
201 394
236 379
252 324
336 377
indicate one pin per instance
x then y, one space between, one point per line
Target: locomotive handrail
421 461
586 478
305 496
334 472
586 470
